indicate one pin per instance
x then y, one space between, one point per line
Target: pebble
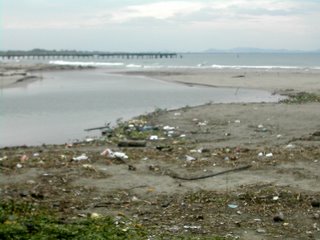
279 217
261 230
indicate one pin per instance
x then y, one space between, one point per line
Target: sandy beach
266 155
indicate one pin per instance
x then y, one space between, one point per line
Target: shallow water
59 107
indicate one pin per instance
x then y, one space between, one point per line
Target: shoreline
263 159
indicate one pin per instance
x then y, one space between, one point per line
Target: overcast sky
157 25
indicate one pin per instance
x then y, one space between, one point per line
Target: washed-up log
131 143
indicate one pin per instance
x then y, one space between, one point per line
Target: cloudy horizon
158 25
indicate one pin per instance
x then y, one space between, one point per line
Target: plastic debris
19 165
260 154
190 158
109 153
182 135
24 158
233 206
89 140
204 123
82 157
275 198
290 146
153 137
3 158
269 155
168 128
191 227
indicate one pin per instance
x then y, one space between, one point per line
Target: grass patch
28 221
301 97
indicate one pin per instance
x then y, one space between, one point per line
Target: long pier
80 55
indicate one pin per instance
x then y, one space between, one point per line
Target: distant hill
256 50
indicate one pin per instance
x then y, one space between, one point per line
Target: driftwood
211 175
131 143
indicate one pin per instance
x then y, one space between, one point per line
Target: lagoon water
57 108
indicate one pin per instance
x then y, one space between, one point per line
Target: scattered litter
153 137
24 158
95 215
237 121
279 217
261 230
89 140
19 165
260 154
279 136
3 158
36 154
182 135
82 157
168 128
89 167
232 206
290 146
275 198
191 227
269 155
190 158
109 153
204 123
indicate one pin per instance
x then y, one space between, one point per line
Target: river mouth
57 108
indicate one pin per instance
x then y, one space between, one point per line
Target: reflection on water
57 108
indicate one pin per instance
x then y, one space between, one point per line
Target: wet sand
279 141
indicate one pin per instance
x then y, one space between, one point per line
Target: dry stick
213 174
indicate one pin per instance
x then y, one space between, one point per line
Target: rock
261 230
315 203
279 217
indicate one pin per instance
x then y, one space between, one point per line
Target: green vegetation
302 97
28 221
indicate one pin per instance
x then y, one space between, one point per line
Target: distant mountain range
257 50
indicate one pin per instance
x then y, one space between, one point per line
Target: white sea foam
60 62
134 66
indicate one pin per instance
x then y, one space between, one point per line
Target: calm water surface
59 107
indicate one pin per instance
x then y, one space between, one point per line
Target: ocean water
59 107
264 61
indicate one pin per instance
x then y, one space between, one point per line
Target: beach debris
88 140
191 227
261 230
3 158
82 157
95 215
132 168
118 155
36 154
260 154
24 158
275 198
279 217
290 146
237 121
315 203
132 143
153 137
174 175
168 128
233 206
19 165
279 136
190 158
204 123
89 167
269 155
182 136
